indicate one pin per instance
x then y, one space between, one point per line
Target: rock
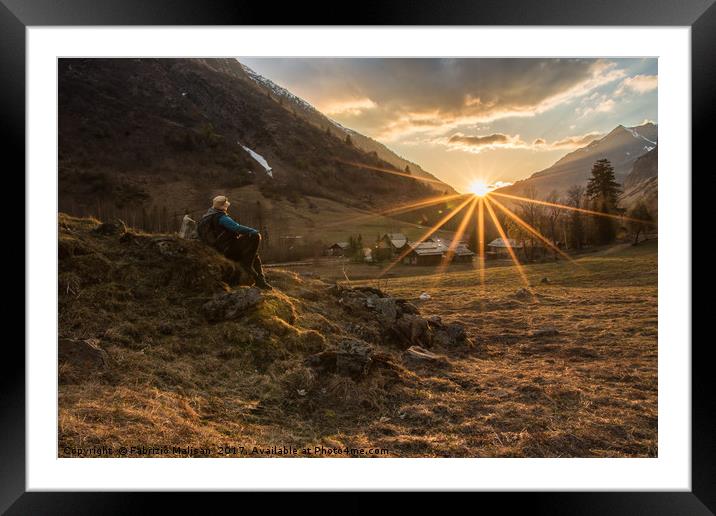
413 330
169 247
370 290
424 296
363 332
353 358
69 246
406 307
449 335
83 356
352 301
523 294
386 309
117 227
231 305
544 280
547 331
421 355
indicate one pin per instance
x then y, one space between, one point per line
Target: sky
497 120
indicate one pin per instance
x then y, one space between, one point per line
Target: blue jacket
228 223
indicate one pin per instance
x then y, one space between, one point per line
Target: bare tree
533 214
640 220
575 199
552 215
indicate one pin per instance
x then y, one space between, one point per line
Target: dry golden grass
588 391
176 380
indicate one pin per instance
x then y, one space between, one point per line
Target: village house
433 250
424 253
389 245
499 248
337 249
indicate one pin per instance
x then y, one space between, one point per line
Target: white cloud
638 84
605 105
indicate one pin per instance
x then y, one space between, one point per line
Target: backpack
207 229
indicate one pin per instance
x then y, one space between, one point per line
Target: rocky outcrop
231 305
397 320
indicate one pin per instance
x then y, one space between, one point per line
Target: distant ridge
622 147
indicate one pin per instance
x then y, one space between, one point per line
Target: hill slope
161 345
129 127
642 183
315 117
622 146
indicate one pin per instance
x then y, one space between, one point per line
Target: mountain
305 110
167 134
622 147
643 181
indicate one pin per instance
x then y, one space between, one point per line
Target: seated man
236 242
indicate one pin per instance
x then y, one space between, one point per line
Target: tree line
574 229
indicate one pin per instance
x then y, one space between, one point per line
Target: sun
479 188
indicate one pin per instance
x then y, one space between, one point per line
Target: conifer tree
603 192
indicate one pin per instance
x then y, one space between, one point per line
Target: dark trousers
244 249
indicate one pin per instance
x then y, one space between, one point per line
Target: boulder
412 330
449 335
231 305
385 309
353 358
116 227
363 332
523 294
352 300
80 358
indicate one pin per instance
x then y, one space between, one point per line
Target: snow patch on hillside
260 159
635 134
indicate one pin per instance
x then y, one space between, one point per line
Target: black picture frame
17 15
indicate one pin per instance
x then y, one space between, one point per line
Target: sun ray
481 240
448 258
511 251
572 208
425 235
532 230
393 172
398 209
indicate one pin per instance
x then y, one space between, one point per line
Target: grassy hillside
129 127
170 364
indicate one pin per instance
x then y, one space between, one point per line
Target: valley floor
570 371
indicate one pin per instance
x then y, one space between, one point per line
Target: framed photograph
431 241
